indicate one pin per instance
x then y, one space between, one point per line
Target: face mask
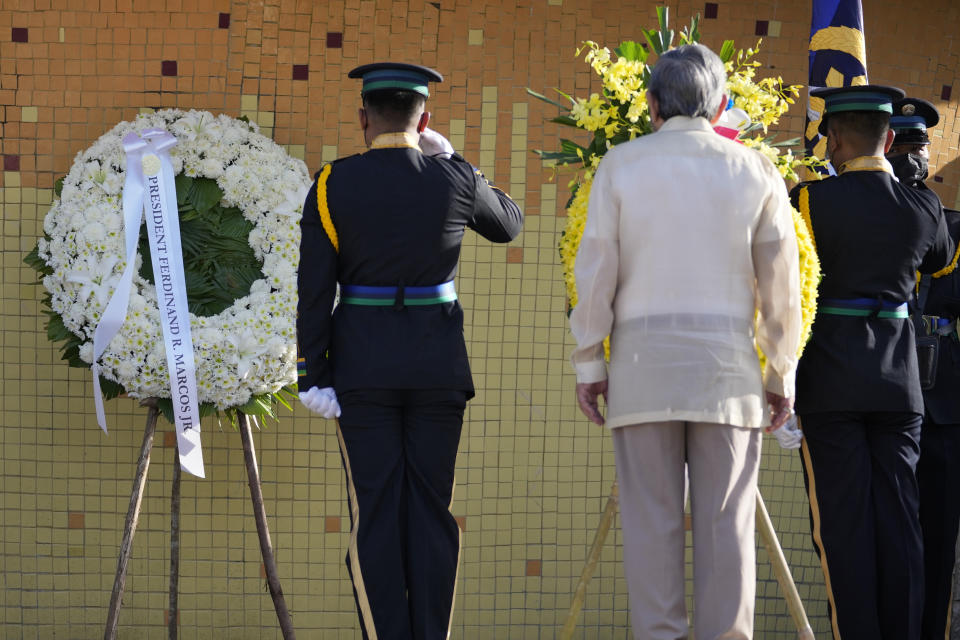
909 167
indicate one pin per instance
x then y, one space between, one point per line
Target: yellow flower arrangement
764 100
620 113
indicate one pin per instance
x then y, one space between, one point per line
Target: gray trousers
723 462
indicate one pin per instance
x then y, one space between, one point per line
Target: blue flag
838 58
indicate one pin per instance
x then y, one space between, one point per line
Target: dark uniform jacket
872 235
942 402
399 218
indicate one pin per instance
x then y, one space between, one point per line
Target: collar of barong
866 163
396 140
686 123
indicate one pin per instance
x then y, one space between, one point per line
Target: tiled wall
533 476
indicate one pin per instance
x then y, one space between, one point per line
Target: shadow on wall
948 190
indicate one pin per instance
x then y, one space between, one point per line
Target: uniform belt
863 307
939 325
397 296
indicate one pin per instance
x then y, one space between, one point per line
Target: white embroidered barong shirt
689 241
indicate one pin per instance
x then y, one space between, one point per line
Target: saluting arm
495 215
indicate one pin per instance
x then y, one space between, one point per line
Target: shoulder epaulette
317 174
795 189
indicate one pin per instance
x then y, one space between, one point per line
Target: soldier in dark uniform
858 389
938 474
910 152
391 360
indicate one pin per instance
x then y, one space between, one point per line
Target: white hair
688 81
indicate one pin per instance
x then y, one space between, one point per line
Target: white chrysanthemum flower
94 232
112 183
212 168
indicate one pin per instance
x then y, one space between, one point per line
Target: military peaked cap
395 75
867 97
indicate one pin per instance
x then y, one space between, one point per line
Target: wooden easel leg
174 611
130 525
260 515
782 571
606 521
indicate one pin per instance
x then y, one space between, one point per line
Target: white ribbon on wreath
150 188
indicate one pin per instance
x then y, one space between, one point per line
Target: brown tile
75 520
534 567
331 524
514 255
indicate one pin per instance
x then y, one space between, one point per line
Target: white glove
432 143
322 401
789 435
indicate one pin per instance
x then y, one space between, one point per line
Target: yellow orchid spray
619 113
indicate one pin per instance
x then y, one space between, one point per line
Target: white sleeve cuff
593 371
784 386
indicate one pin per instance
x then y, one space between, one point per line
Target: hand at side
588 394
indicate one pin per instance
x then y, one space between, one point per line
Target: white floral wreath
246 353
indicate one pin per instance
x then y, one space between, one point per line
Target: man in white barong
689 243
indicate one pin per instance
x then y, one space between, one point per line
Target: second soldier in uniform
938 472
858 390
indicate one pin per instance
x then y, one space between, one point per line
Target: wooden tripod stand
133 516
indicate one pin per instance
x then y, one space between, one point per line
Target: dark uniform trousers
938 474
859 472
399 450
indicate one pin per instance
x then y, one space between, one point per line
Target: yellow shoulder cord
323 210
947 270
805 214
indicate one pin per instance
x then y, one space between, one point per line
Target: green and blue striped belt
863 307
397 296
